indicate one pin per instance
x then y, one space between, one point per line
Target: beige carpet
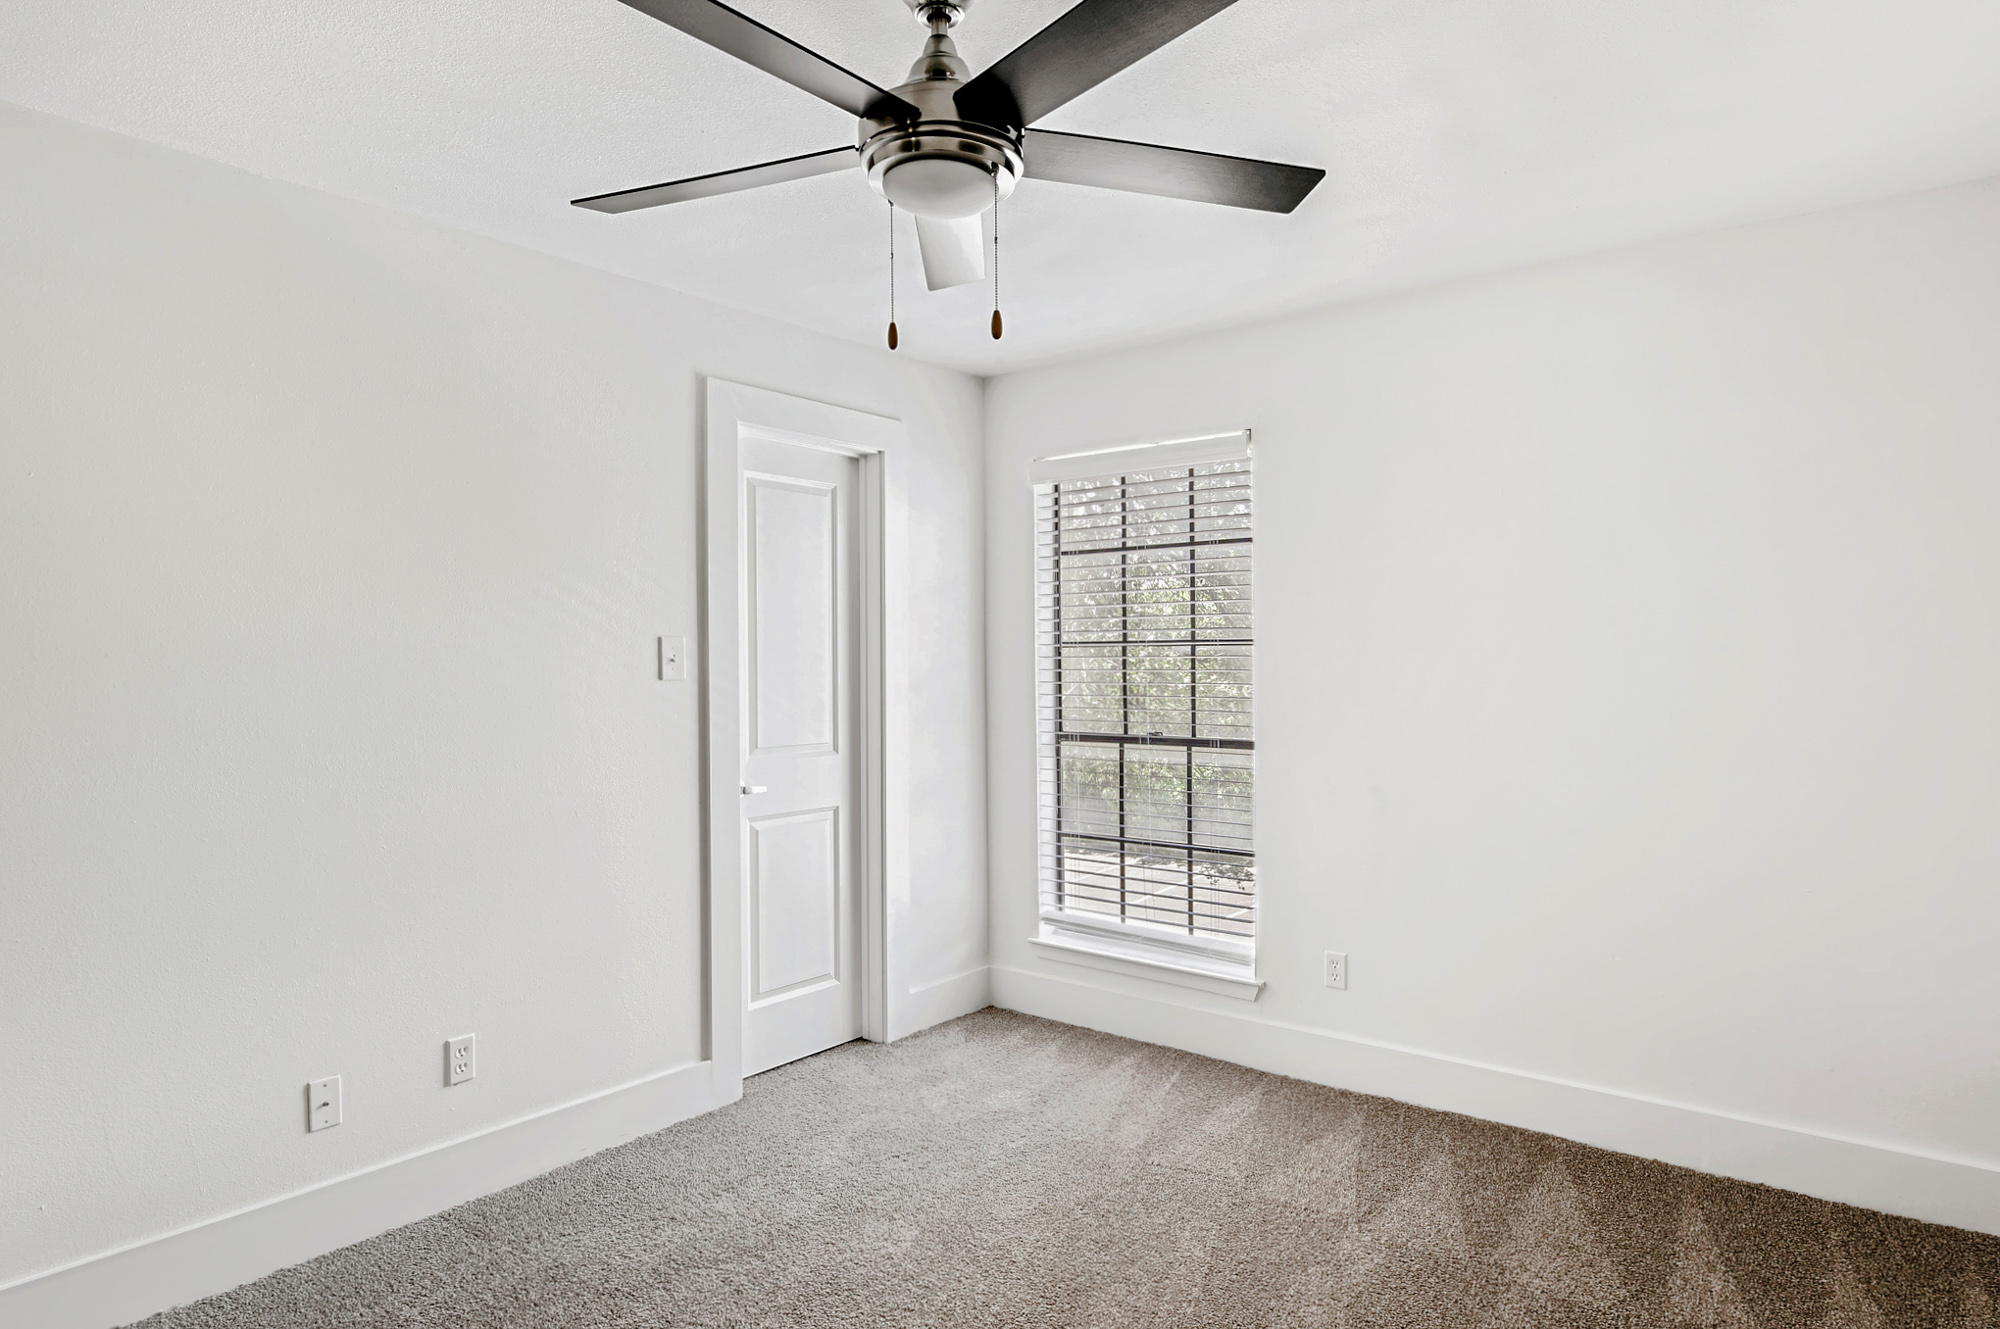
1004 1171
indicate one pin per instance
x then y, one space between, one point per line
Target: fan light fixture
942 188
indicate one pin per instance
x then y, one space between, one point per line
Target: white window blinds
1144 707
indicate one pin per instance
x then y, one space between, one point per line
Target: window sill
1138 957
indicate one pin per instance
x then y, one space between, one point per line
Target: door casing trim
735 411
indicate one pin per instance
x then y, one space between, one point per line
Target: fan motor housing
939 136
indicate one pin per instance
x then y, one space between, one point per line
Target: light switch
323 1103
670 659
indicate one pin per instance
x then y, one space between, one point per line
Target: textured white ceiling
1460 136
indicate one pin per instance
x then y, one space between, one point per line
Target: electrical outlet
1336 969
670 659
323 1103
460 1060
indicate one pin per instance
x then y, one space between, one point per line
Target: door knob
756 789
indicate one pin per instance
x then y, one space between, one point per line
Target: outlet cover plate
323 1103
461 1059
1336 969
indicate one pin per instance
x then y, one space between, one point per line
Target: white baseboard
1961 1192
213 1256
946 999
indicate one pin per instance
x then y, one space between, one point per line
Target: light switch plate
670 659
323 1103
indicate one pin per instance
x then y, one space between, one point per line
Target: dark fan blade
1076 53
1142 168
722 182
776 54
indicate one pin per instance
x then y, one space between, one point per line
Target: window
1147 751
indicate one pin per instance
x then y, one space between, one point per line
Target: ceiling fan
945 146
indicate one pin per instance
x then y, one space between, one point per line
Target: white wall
1629 692
332 546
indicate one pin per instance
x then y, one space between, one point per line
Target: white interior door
799 561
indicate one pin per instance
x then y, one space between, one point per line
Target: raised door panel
793 584
795 883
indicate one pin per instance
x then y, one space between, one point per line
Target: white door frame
735 411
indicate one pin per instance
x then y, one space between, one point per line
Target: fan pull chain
892 276
996 253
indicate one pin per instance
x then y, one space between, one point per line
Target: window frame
1137 947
